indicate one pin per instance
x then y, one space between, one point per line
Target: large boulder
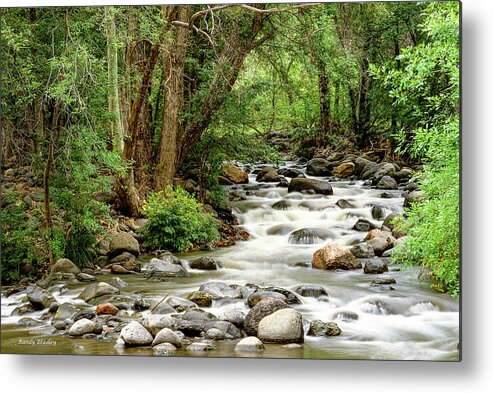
344 170
320 328
81 327
318 167
39 297
95 290
333 256
262 309
165 268
122 242
65 265
234 174
360 163
249 344
268 174
387 183
284 326
376 171
204 263
128 261
384 169
304 185
135 334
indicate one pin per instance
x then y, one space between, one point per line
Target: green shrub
23 249
177 221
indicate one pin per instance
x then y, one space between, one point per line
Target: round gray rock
122 242
136 334
249 344
284 326
81 327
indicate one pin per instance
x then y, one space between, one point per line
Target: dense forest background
102 108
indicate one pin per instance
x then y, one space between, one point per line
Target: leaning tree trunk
137 150
178 138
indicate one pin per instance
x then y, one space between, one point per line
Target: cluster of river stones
107 311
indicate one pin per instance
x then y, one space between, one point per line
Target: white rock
136 334
155 322
284 326
167 335
197 347
81 327
249 344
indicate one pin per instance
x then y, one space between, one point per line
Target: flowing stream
405 320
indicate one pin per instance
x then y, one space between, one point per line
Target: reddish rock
106 309
333 256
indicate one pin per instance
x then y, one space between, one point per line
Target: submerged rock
249 344
165 349
304 185
312 290
320 328
310 236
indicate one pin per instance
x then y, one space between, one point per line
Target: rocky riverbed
314 280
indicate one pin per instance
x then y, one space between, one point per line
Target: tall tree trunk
363 122
113 85
325 116
174 52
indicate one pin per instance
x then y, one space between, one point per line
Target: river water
404 321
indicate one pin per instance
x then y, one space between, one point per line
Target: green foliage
429 83
177 221
22 249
